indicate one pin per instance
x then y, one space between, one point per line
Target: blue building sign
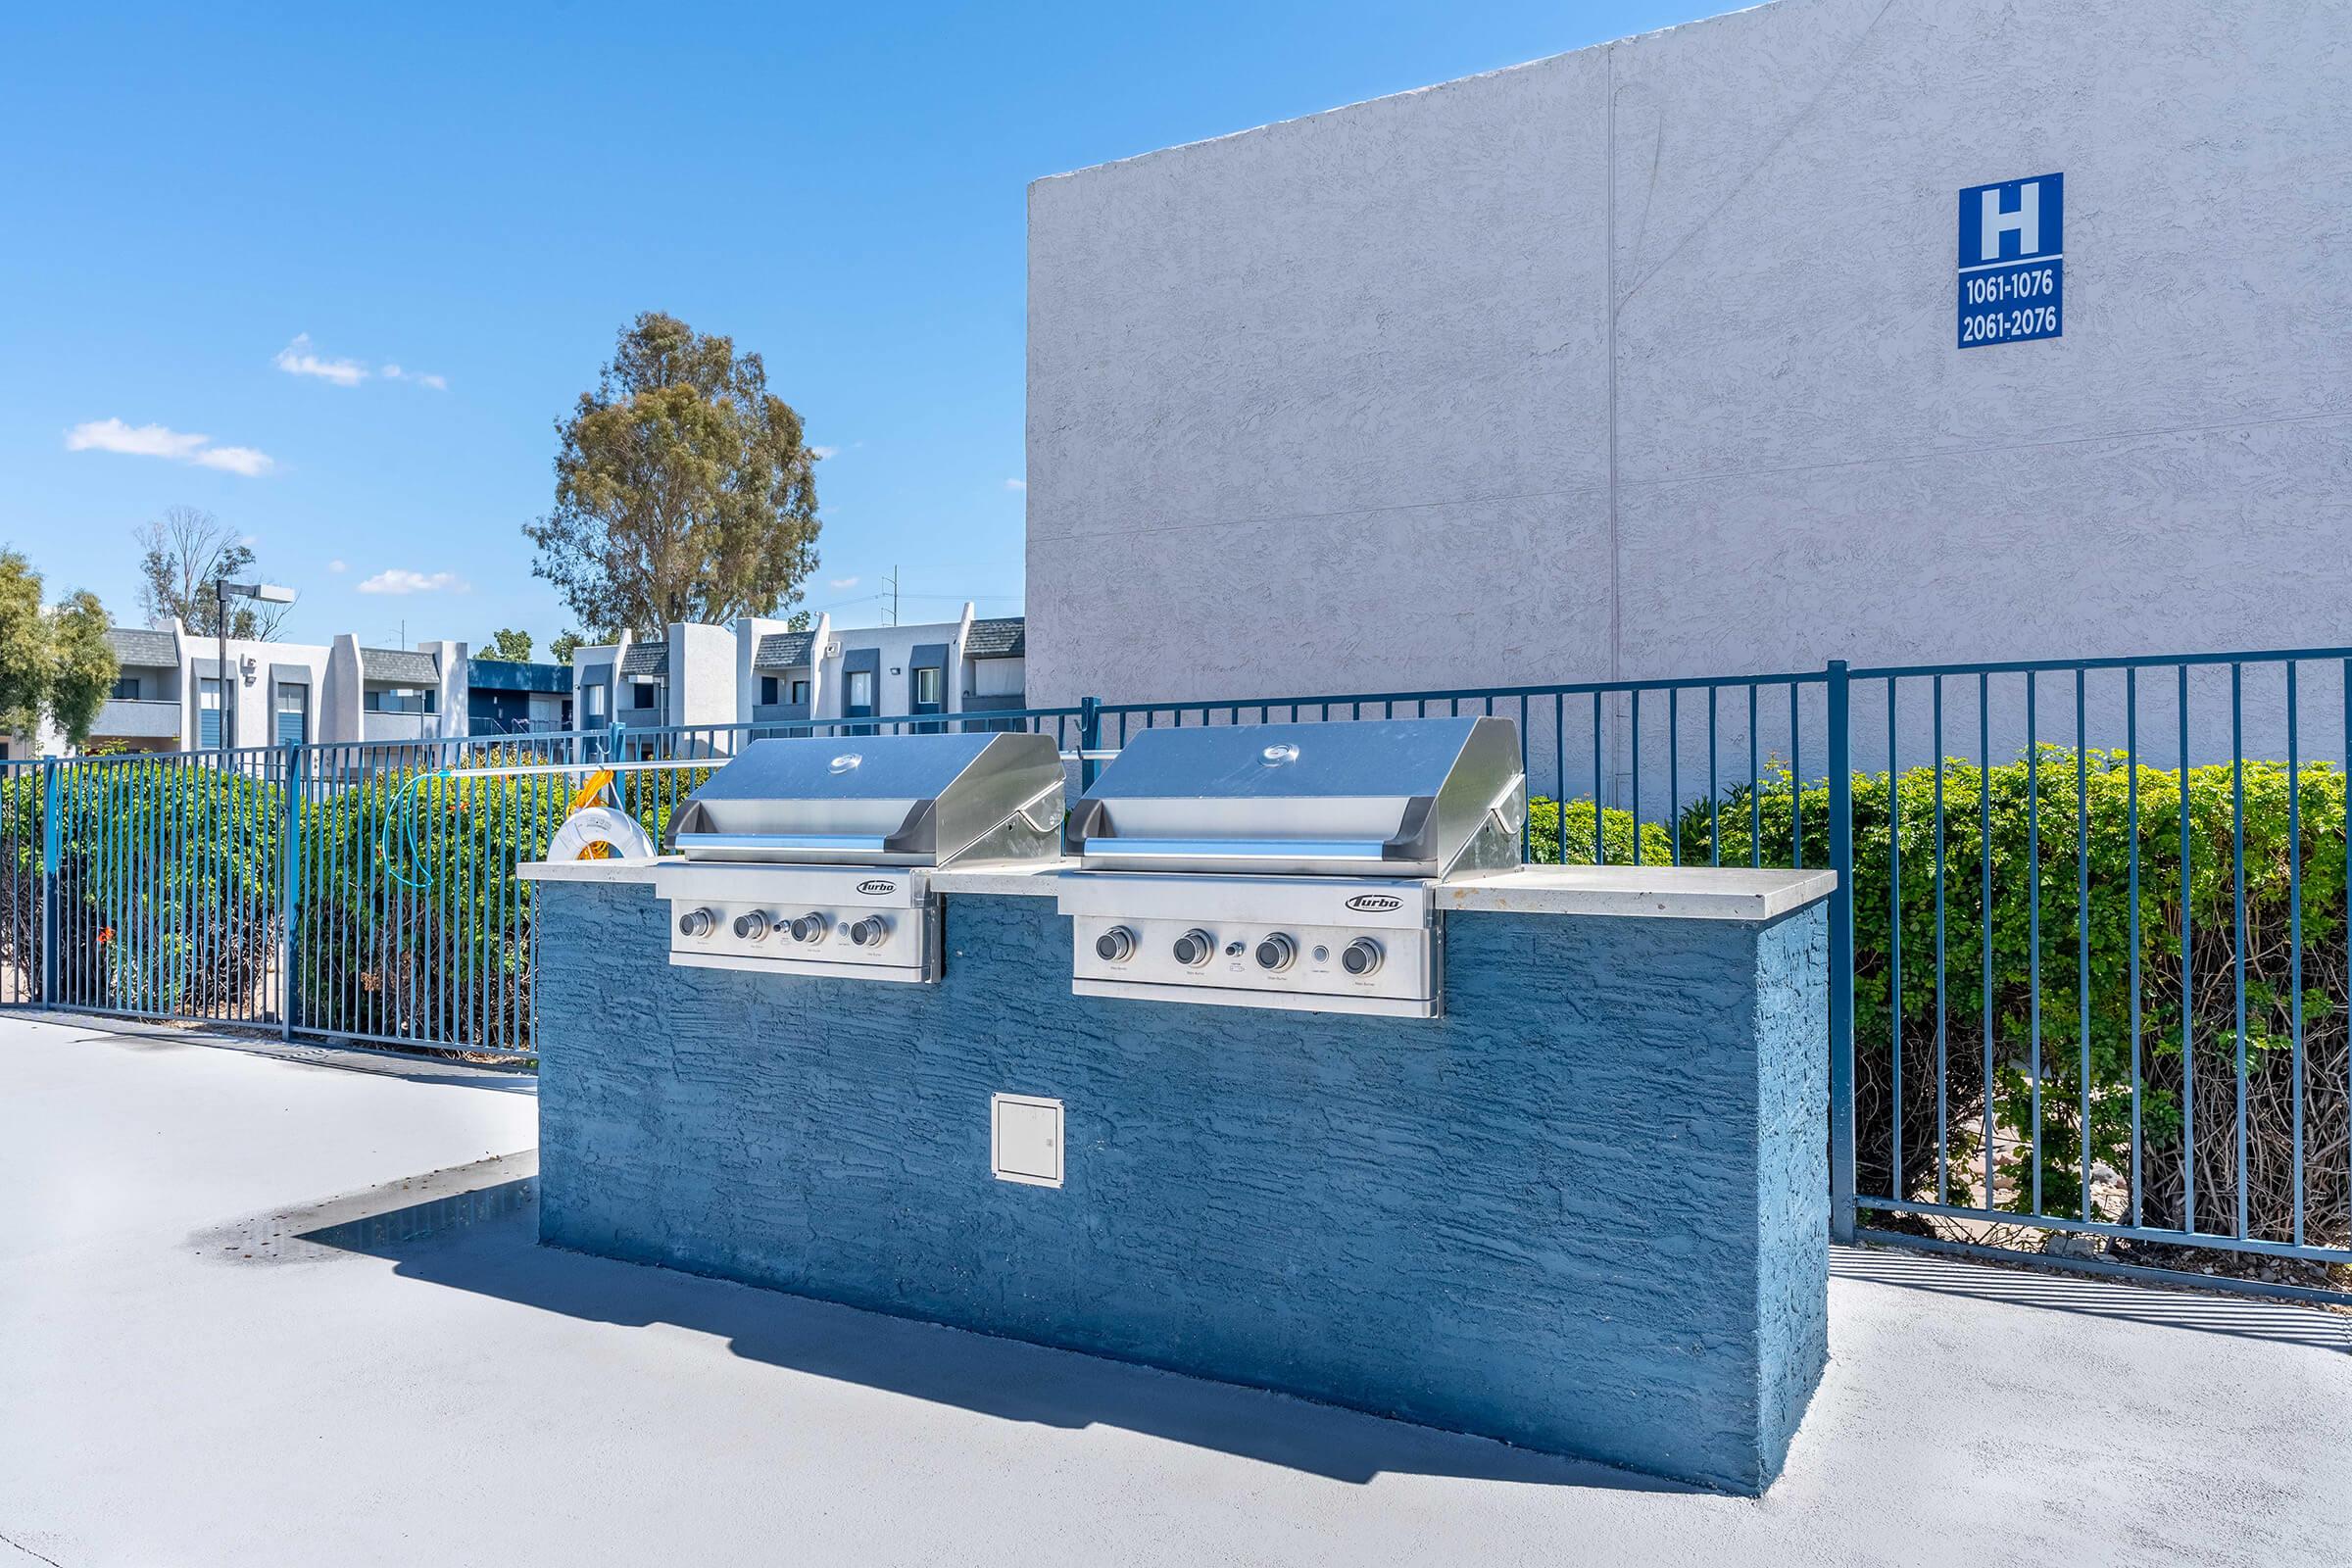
2012 261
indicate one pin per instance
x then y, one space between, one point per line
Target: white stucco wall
252 705
1640 362
452 697
896 644
702 675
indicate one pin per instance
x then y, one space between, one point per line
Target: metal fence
2103 986
349 892
2089 951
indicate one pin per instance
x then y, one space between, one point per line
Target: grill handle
1366 851
723 842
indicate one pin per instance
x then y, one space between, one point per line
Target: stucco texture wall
1586 1211
1640 362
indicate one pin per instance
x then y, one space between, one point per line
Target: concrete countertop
1645 892
1652 892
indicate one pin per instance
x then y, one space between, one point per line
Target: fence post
1841 957
1090 739
289 891
49 864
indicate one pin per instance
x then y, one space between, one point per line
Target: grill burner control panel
852 922
1308 944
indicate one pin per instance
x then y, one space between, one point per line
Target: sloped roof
1006 638
646 659
143 647
405 665
784 650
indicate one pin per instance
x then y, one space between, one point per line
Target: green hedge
2031 815
411 922
165 889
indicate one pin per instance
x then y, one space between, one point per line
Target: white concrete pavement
241 1323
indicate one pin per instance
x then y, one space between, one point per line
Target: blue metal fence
2089 948
344 891
2172 1067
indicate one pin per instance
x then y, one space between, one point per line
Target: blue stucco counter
1585 1210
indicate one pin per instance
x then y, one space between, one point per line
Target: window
861 690
293 712
127 688
800 692
640 693
400 700
596 703
207 712
768 690
926 686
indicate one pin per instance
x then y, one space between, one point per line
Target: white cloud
296 359
839 583
147 441
299 358
236 460
1016 484
400 580
160 441
393 372
338 565
822 452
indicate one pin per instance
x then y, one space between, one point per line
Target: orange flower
106 932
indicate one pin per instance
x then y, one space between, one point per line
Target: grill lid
877 799
1394 798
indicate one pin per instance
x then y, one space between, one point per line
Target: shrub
2031 813
167 886
1616 836
413 924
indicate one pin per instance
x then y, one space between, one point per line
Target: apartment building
1671 357
763 672
169 694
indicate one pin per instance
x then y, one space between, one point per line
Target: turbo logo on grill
1375 903
877 886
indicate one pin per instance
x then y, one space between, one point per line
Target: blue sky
439 216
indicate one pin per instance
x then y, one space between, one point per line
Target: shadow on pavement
2243 1318
475 1228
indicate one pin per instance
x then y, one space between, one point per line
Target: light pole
269 593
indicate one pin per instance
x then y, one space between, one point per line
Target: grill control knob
810 928
1277 952
1115 946
1360 957
1194 949
871 931
754 927
697 923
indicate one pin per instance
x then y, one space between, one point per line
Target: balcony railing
137 718
380 725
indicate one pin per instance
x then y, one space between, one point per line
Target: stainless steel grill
814 856
1288 866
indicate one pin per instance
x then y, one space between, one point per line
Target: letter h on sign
2018 220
